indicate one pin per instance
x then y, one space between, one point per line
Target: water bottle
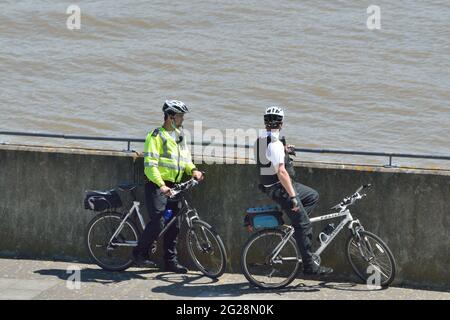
167 216
326 232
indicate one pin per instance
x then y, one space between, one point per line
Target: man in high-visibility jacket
166 159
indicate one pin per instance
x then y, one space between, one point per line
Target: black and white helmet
174 106
273 117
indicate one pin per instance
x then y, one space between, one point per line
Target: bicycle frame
348 219
185 211
344 213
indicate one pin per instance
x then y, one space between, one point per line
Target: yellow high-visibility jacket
165 159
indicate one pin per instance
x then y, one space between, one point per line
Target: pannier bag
265 217
102 200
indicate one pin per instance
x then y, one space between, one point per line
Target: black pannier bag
102 200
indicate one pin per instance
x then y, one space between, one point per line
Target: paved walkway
35 279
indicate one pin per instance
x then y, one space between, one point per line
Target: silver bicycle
111 235
270 258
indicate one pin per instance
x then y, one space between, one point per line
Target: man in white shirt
296 200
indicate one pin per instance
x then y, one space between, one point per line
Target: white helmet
174 106
273 117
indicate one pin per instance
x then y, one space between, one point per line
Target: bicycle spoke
367 254
265 270
379 270
111 255
206 249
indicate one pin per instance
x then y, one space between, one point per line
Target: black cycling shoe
175 267
317 270
143 262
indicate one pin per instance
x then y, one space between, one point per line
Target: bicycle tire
191 235
244 264
126 252
382 247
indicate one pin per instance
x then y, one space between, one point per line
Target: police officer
276 173
166 159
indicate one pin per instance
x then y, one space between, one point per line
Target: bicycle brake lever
174 193
336 207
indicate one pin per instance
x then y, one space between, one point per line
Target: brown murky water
343 86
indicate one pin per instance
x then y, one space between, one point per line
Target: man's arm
285 180
152 153
191 169
277 158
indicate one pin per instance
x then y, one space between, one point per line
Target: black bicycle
111 235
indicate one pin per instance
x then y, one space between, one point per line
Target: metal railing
225 145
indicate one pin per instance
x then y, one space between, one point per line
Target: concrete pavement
43 280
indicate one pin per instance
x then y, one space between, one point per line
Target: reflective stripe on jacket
165 159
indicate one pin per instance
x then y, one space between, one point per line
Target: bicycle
270 258
111 235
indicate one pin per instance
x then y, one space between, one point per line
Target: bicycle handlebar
185 185
364 186
348 201
181 187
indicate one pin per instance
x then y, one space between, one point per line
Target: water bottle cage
323 237
326 232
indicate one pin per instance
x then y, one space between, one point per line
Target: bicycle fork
368 253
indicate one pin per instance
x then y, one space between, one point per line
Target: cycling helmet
174 106
273 117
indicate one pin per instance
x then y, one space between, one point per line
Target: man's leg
300 222
170 242
302 226
308 196
156 204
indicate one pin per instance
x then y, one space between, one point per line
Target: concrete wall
42 215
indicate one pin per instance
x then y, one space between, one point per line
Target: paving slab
52 280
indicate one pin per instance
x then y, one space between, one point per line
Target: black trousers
308 199
156 204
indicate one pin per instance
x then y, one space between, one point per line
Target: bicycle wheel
258 266
113 255
371 258
206 249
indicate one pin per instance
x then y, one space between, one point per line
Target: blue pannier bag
267 217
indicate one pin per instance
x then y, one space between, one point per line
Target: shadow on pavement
96 275
349 286
202 287
196 284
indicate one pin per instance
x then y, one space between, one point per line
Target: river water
343 86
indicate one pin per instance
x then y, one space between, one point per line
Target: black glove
293 202
291 151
